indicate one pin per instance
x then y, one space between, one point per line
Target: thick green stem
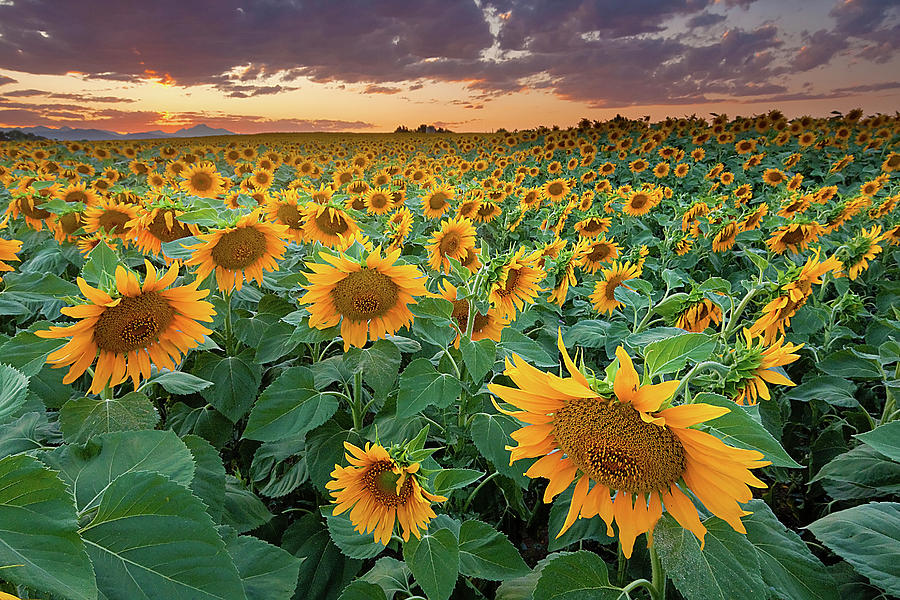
734 319
478 489
470 318
356 406
658 578
710 364
229 345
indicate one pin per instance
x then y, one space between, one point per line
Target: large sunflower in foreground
517 284
603 297
379 491
453 240
145 324
245 250
8 251
370 300
639 458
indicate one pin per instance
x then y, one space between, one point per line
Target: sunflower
370 300
453 240
517 283
203 180
398 227
591 227
157 226
78 192
591 257
471 260
330 226
864 247
436 202
261 179
65 226
286 210
754 366
379 491
724 238
639 457
145 324
699 315
774 177
488 326
555 190
794 237
564 271
111 217
683 246
8 251
245 250
603 297
378 201
639 202
751 221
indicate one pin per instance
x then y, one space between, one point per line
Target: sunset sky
271 65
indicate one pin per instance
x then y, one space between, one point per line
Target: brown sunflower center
608 440
379 200
794 236
639 201
331 223
289 215
364 295
76 196
450 243
31 210
160 229
201 182
240 248
512 281
555 189
134 323
461 315
599 252
381 482
437 200
70 222
113 221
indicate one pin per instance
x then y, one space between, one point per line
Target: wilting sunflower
488 326
203 180
143 325
437 201
753 365
591 257
517 283
398 227
724 238
794 237
453 240
330 226
111 217
157 226
245 250
640 458
863 248
369 300
752 220
471 260
603 297
697 316
8 251
381 491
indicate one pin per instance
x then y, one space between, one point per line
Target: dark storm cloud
818 49
859 17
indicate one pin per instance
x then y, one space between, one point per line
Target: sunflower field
626 360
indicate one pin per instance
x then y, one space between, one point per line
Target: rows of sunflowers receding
627 361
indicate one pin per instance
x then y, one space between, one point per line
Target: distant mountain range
69 133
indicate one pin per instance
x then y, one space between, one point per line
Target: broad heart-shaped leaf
434 562
845 363
150 537
27 352
836 391
672 354
448 480
235 382
324 571
726 568
267 572
28 432
421 385
485 553
579 575
209 476
379 364
479 357
180 383
39 532
350 542
885 439
861 473
362 590
490 433
516 342
289 407
867 537
100 267
89 471
787 566
13 390
390 574
82 418
325 448
739 428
